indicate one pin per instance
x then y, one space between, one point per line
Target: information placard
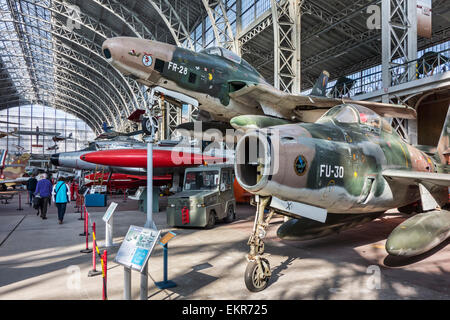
167 237
137 247
110 211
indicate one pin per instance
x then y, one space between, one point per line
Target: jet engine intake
253 166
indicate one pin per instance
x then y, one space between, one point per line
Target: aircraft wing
277 103
436 183
438 179
18 180
106 135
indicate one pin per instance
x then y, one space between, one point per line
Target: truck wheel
211 220
230 214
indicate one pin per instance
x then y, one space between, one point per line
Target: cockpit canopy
229 55
356 114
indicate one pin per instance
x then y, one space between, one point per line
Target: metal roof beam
336 20
217 13
173 22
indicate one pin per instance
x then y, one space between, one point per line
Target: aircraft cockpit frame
352 114
229 55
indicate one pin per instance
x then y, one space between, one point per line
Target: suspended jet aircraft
345 169
37 133
163 158
20 149
72 159
53 148
8 122
5 134
59 139
222 83
110 134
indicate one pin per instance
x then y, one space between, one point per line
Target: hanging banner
424 18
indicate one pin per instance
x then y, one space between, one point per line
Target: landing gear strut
257 273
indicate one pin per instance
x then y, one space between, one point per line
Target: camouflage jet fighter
221 82
345 169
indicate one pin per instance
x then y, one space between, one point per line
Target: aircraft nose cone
108 48
54 159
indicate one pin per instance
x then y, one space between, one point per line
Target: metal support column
286 27
399 47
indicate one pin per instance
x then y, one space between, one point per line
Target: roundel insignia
147 60
300 165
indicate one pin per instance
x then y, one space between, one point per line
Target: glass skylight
26 47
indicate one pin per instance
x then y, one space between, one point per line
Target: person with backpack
61 196
44 192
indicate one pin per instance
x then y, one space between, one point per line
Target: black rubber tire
211 220
230 214
146 125
251 282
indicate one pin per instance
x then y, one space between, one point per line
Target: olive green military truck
207 197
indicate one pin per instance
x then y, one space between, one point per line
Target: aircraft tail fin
105 127
320 87
3 154
443 147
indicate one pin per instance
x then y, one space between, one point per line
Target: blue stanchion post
166 283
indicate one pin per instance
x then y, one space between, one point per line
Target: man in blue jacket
61 195
44 190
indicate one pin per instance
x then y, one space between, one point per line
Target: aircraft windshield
352 113
201 180
368 117
222 52
341 114
347 115
91 147
229 55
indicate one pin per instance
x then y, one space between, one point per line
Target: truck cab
206 198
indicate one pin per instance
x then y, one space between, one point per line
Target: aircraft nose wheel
150 125
257 275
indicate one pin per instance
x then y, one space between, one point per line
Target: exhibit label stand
134 253
165 284
109 223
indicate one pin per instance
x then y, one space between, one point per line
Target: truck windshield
201 180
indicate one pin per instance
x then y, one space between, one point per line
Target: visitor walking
44 191
31 187
61 196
